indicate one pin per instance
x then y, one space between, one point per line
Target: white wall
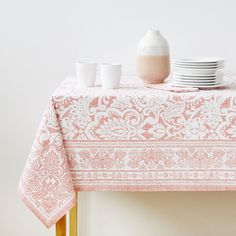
39 43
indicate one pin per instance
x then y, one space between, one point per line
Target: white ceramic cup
110 75
86 73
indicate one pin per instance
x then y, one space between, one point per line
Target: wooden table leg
61 227
74 219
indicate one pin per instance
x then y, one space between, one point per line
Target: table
130 139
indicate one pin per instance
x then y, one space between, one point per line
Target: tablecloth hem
155 188
48 223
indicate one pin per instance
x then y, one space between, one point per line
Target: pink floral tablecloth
130 139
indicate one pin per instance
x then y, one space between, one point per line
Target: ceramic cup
86 73
110 75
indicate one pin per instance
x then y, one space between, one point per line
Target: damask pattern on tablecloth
196 116
46 184
129 139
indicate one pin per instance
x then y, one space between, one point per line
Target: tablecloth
129 139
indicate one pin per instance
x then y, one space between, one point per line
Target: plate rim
199 67
200 59
195 76
225 82
197 81
196 69
198 63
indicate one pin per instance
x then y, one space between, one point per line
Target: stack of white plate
198 72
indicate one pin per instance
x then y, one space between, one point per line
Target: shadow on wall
162 213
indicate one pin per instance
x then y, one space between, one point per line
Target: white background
39 43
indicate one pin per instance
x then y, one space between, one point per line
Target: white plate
191 71
198 63
195 81
200 60
199 76
224 83
197 85
198 67
195 78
